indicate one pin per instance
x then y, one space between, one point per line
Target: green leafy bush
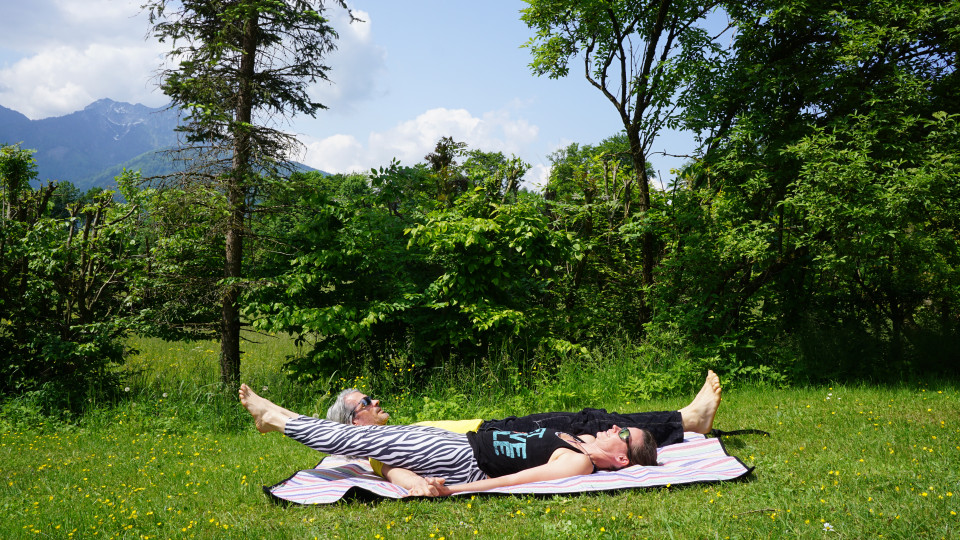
63 290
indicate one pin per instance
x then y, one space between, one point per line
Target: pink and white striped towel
696 460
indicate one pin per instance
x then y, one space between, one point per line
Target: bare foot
267 415
698 415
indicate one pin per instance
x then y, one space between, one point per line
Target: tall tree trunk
647 240
236 198
230 310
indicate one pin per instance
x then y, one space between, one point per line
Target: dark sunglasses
625 435
367 401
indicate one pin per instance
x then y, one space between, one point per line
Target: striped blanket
696 460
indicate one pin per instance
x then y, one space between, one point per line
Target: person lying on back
451 463
662 428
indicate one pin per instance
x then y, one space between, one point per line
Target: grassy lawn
176 459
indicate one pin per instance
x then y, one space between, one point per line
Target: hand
430 487
422 491
438 486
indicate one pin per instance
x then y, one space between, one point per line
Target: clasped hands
430 487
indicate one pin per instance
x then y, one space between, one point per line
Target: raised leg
699 414
267 415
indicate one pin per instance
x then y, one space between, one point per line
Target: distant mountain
82 144
90 147
152 163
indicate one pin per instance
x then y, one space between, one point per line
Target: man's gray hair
340 412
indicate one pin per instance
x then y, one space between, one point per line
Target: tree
176 294
446 171
236 64
498 175
604 171
639 55
881 228
822 199
590 189
63 287
17 169
371 282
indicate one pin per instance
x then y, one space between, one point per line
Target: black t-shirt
500 453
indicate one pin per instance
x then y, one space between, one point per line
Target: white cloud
28 27
62 79
410 141
413 139
80 51
77 52
99 13
339 153
356 67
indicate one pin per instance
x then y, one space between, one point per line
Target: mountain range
90 147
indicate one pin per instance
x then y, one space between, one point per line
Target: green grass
870 461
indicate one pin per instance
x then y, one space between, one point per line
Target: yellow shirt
456 426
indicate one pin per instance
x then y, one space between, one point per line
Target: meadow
176 457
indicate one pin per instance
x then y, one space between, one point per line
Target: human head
346 410
643 448
613 451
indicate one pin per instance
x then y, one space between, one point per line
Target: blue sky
414 71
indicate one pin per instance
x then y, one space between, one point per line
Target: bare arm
417 485
563 464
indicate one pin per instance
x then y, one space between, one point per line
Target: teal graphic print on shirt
514 445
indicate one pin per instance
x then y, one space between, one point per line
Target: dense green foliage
65 261
643 58
591 194
820 221
404 270
177 294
